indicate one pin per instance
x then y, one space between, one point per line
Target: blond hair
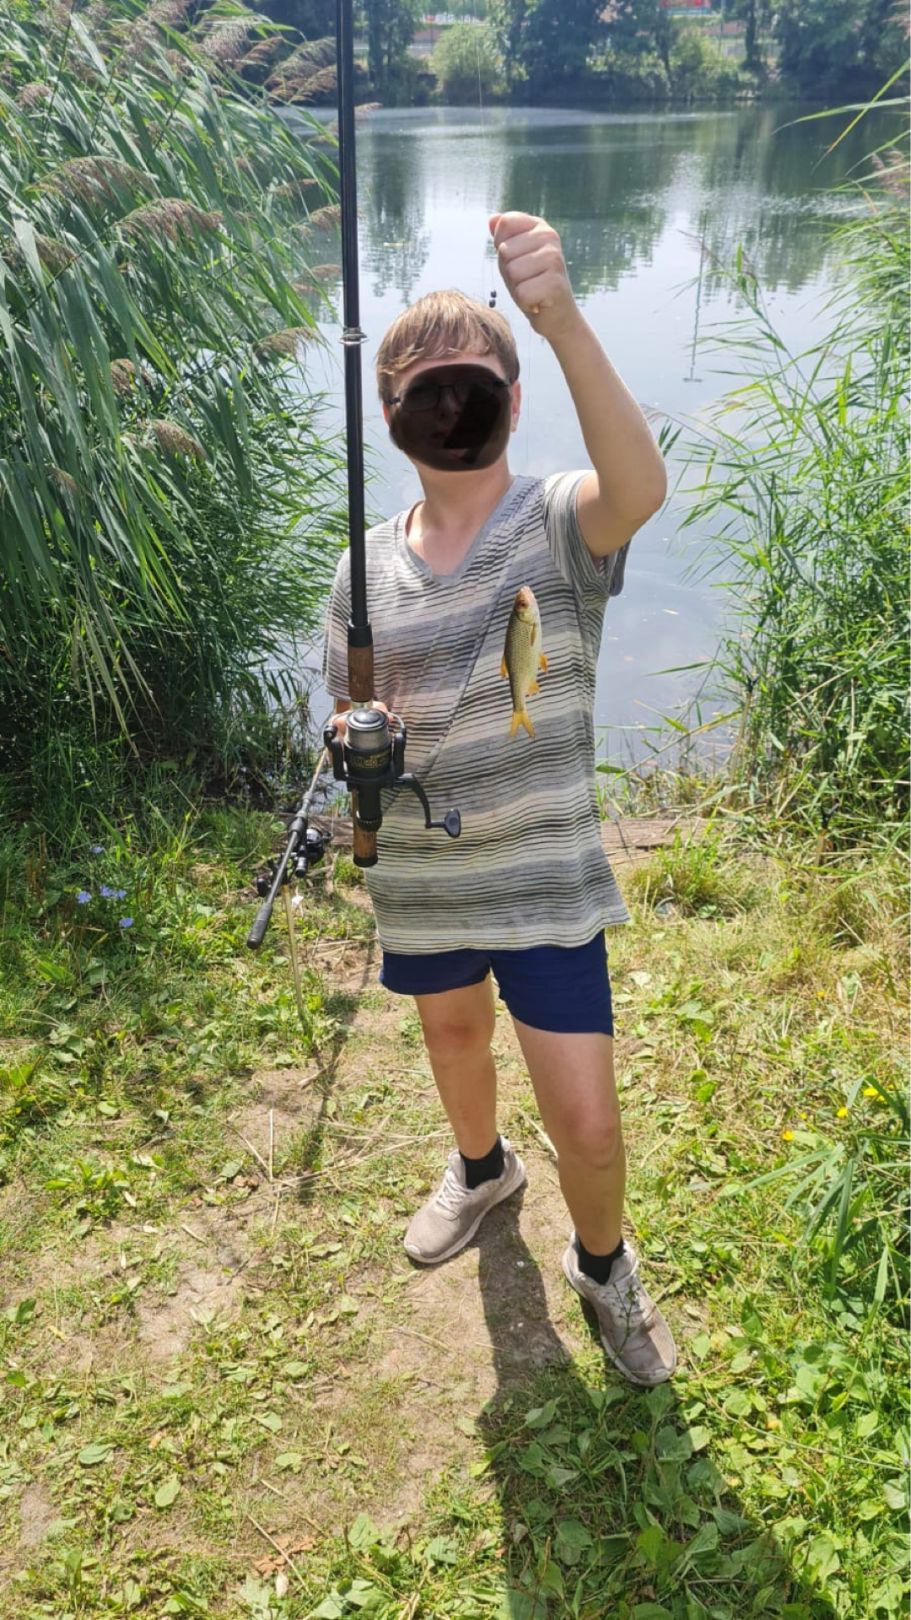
440 324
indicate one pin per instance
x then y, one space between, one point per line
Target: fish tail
520 717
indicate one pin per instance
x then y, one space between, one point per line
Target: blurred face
454 413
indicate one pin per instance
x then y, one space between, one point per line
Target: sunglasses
425 394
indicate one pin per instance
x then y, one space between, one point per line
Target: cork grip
364 851
360 674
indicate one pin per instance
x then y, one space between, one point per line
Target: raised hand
532 265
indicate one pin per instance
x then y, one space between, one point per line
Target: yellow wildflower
842 1113
787 1136
871 1091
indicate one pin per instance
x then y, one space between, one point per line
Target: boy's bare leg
573 1078
458 1029
458 1026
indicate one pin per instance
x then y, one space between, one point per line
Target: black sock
486 1169
597 1266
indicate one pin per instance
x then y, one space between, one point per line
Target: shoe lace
451 1195
635 1305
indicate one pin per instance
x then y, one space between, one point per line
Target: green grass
197 1357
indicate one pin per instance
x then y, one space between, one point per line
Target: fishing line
488 287
488 290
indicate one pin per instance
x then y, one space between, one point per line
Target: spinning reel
372 757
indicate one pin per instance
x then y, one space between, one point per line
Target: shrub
624 75
467 63
699 70
413 83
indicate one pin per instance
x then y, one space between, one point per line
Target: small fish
522 657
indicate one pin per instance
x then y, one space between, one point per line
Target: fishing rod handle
261 921
364 843
257 932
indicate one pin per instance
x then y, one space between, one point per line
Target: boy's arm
629 482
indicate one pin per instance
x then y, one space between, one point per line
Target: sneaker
451 1217
633 1332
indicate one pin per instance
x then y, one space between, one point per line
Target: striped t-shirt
529 868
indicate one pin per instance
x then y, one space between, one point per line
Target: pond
648 205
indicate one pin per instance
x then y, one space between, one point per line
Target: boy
487 601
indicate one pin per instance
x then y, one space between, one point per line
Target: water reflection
610 185
395 240
606 197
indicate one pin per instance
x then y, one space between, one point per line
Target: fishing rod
371 755
305 847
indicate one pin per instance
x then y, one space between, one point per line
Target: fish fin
542 661
503 669
521 718
533 689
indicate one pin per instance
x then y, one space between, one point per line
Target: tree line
818 48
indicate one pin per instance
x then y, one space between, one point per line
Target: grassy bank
227 1392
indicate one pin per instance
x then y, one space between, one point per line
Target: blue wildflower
119 894
126 922
83 897
106 893
97 849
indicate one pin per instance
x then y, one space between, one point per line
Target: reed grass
169 511
802 478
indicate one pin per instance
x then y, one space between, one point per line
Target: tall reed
168 511
803 478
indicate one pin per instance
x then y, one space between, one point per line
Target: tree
467 62
638 26
757 14
390 30
546 41
508 22
839 47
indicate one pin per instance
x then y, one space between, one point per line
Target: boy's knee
458 1037
595 1143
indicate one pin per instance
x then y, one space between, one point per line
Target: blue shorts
555 987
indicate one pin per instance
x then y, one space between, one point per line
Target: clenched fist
532 265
